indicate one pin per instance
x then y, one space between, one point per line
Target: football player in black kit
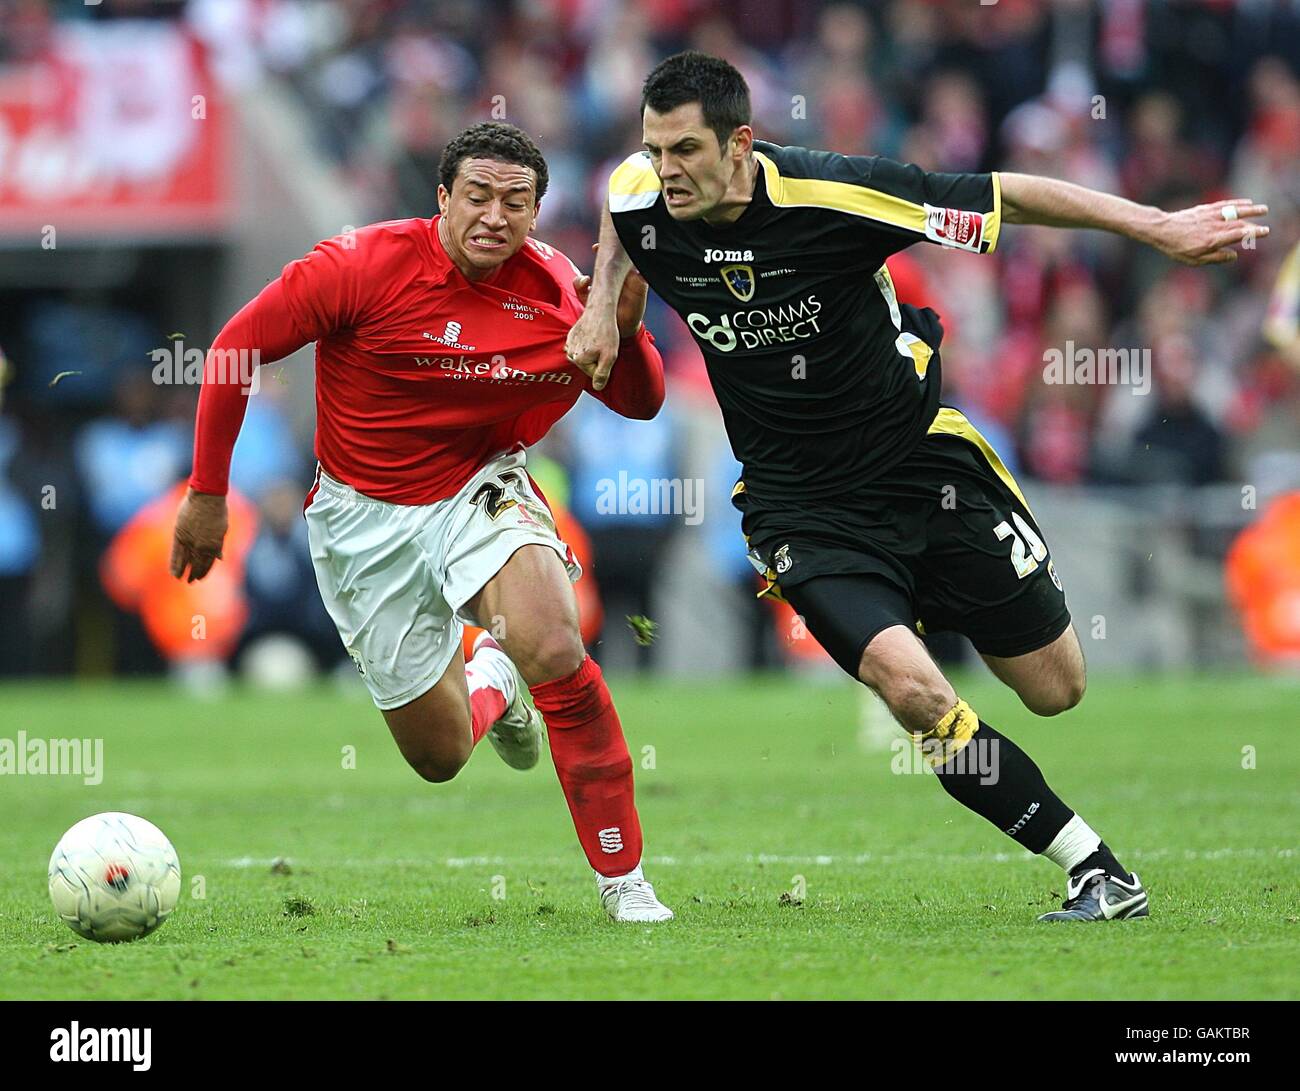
872 508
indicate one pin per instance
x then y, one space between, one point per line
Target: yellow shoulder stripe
842 196
950 422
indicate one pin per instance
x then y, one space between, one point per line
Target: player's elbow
645 410
650 400
636 403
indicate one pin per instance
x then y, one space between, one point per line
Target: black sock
1001 783
1103 858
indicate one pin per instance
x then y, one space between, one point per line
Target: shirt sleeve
959 211
893 204
636 383
633 186
323 291
261 332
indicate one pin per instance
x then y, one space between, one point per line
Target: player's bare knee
438 768
1061 695
441 758
917 701
557 654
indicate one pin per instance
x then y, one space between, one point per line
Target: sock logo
1024 819
611 839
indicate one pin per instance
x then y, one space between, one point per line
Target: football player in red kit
439 358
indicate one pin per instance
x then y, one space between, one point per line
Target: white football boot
631 898
1096 896
517 735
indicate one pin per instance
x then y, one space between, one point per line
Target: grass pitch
799 864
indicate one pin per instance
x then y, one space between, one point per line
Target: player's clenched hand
201 523
591 345
1203 235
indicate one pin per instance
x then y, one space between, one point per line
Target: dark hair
692 76
492 140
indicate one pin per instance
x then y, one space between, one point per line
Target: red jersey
422 376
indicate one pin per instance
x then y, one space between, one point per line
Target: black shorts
943 541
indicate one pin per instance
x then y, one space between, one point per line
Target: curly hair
692 76
493 140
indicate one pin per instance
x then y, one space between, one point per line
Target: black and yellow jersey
824 378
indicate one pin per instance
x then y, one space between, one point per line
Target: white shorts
395 577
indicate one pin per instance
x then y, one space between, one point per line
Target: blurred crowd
1166 103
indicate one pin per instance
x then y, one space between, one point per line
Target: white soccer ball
114 877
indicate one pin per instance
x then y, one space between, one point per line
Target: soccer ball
114 877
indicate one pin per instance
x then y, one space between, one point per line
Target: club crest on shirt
739 280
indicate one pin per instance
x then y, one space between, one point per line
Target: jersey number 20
1025 562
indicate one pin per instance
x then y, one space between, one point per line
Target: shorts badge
781 560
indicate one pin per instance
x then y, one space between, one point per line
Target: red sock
595 769
485 708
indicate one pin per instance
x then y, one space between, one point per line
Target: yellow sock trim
949 735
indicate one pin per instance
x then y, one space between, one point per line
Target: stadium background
159 162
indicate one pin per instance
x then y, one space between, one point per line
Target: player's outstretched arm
592 345
260 333
1202 235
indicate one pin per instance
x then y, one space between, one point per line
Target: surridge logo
450 337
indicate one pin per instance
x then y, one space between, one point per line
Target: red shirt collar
446 268
442 263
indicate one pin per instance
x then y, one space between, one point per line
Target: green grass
391 883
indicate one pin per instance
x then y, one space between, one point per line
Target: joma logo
728 255
1024 820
